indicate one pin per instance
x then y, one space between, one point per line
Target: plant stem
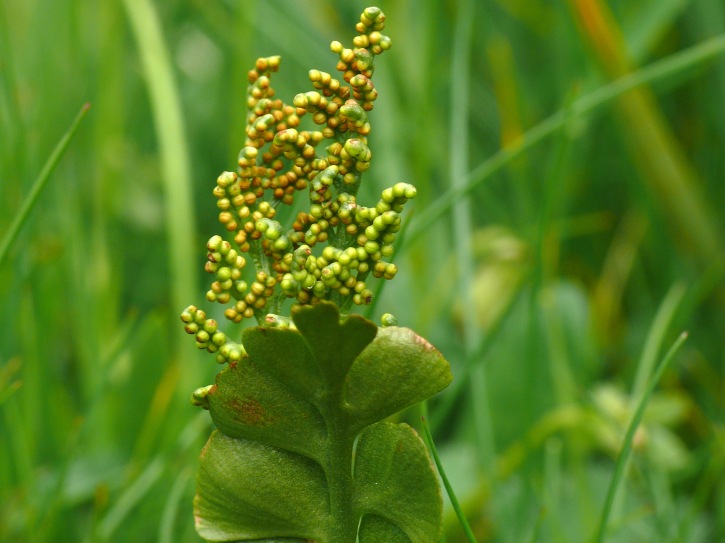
343 521
449 488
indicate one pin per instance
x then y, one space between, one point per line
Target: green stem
343 521
449 488
261 263
342 240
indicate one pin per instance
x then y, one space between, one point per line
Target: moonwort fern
302 451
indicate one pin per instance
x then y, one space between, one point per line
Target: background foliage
572 262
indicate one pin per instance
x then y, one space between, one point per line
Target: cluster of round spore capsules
280 159
209 337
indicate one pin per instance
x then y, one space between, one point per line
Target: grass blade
130 499
39 183
449 489
171 508
170 134
626 451
660 326
462 220
590 102
654 148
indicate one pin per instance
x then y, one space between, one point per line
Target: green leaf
282 464
303 376
288 499
397 370
394 479
250 403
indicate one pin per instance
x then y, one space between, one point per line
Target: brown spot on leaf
249 411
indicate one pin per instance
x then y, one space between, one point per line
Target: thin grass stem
660 326
40 183
449 489
626 451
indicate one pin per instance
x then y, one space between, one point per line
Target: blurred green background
568 227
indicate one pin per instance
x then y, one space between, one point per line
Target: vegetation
565 231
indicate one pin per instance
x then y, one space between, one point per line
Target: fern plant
302 451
